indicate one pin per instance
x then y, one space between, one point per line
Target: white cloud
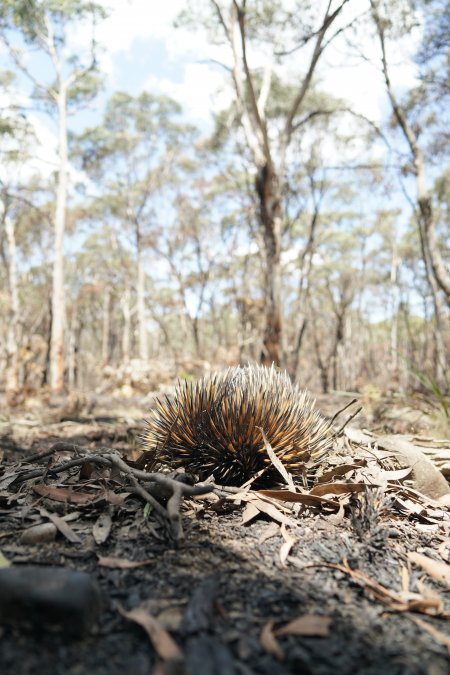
201 91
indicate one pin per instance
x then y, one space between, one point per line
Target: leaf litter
109 492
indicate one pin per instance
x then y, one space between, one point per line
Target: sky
141 50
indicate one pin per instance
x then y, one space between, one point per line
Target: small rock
49 598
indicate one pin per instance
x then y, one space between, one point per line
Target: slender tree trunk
12 379
140 292
72 351
57 334
106 324
126 311
270 220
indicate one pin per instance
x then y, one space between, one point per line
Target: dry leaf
314 625
65 495
285 549
102 528
277 463
298 498
396 475
404 575
340 470
163 644
122 563
250 512
61 525
270 643
270 510
7 478
434 568
337 488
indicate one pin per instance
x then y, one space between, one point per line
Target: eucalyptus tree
417 113
135 157
284 33
68 81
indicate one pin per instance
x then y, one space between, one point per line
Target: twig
339 431
162 485
342 410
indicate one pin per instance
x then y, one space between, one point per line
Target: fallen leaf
277 463
102 528
434 568
269 642
65 495
299 498
338 488
8 478
122 563
163 644
340 470
285 548
272 511
62 526
404 575
314 625
399 474
250 512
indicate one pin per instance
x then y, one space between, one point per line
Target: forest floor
360 588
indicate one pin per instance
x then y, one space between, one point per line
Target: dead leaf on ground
102 528
163 644
299 498
65 495
399 474
269 642
314 625
250 512
122 563
7 478
277 463
285 548
338 488
434 568
61 525
339 471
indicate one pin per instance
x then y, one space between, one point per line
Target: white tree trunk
125 303
57 335
140 292
106 326
12 381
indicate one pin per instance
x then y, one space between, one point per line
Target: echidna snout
214 426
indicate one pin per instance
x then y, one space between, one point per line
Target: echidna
214 426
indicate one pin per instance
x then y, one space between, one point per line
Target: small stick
339 432
342 410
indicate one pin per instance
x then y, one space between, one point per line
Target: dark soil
216 591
